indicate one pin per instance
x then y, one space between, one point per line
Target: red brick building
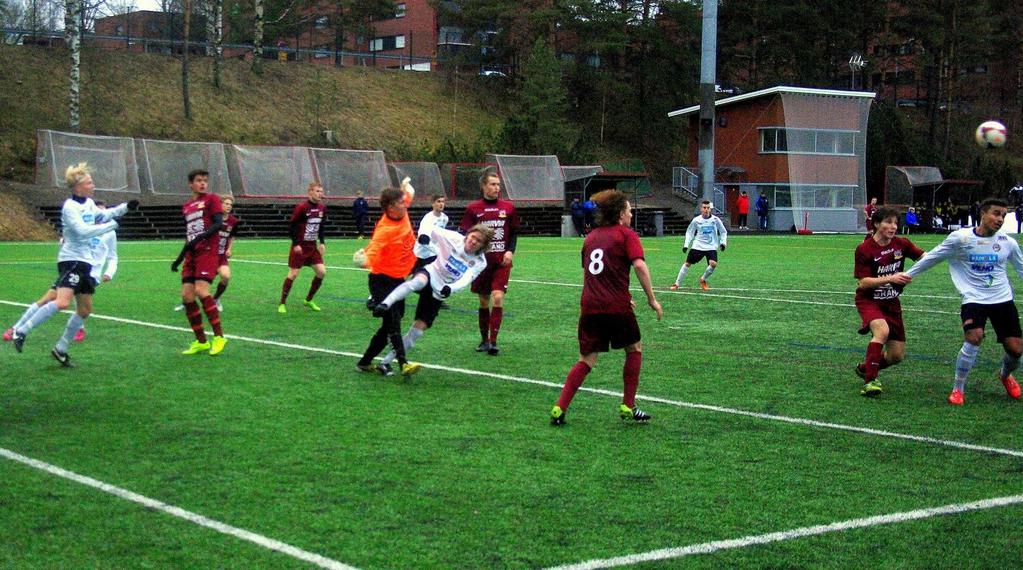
149 31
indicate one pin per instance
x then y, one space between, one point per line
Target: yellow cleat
282 309
312 306
196 347
217 345
410 368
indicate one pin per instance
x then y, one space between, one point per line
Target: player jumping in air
457 262
492 284
878 269
976 260
307 226
204 217
606 317
705 234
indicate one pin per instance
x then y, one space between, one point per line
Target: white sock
964 363
707 273
402 291
31 310
74 323
409 340
681 274
41 315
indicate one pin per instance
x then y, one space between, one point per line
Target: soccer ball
359 258
406 186
990 134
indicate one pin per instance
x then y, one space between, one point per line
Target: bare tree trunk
218 40
257 39
184 59
75 49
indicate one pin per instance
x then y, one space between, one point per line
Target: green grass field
759 440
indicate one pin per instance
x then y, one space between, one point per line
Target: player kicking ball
606 316
878 268
976 260
458 261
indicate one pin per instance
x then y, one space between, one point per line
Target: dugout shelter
805 149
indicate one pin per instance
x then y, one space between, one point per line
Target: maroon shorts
223 260
200 266
310 255
890 311
494 278
599 331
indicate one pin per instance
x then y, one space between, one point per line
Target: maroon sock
221 287
496 314
630 376
314 287
572 383
209 306
194 314
285 289
872 362
484 320
884 364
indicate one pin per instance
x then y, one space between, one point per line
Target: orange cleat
703 285
956 398
1011 386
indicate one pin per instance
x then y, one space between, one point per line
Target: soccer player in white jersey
459 260
81 221
976 260
705 234
103 271
435 218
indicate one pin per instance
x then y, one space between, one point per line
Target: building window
807 141
387 43
322 51
321 22
399 10
119 30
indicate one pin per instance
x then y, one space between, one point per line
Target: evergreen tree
540 124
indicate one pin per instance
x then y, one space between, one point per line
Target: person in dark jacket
360 210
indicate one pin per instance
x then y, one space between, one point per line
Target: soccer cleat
410 368
63 358
872 388
179 308
217 345
380 310
312 306
8 335
80 335
196 347
557 416
492 349
703 284
220 307
371 368
956 398
282 309
19 341
860 371
674 287
385 369
483 347
1011 386
635 414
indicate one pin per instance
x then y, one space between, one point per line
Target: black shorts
1004 318
422 262
428 306
380 286
695 255
75 275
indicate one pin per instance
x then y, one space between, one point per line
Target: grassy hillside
139 95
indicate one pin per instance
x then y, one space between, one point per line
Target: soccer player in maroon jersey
204 217
307 226
492 284
879 271
224 249
606 317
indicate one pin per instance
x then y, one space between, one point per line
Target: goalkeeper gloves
424 239
445 291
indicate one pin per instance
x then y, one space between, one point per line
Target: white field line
754 540
258 539
557 385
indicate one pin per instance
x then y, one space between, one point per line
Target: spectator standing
742 206
762 208
360 211
578 216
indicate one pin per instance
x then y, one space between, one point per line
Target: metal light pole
708 79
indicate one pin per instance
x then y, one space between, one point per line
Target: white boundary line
258 539
611 393
754 540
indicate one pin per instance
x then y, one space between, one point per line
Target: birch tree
184 59
74 44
